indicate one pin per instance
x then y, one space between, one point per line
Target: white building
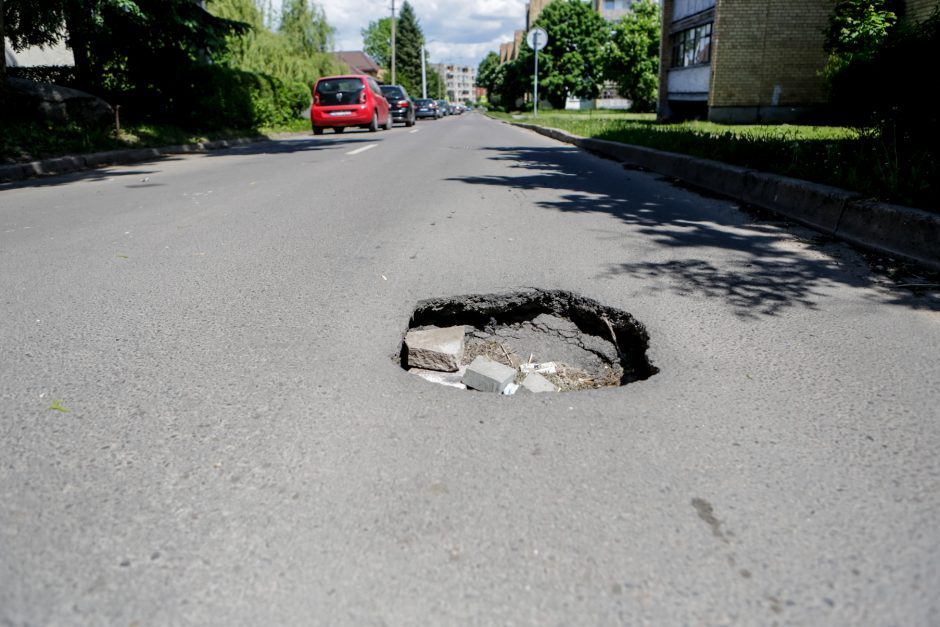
459 80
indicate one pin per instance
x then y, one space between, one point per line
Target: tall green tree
408 43
632 59
572 62
487 72
377 41
297 52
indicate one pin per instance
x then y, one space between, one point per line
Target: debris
487 375
57 406
451 379
537 383
435 348
548 367
510 389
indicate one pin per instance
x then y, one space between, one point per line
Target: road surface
202 421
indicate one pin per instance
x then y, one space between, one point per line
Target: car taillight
402 103
362 97
316 98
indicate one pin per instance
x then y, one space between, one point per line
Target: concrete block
812 204
435 349
907 232
537 383
487 375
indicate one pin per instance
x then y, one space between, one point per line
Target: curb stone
913 234
76 163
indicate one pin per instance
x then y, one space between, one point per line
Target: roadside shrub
214 97
882 91
57 74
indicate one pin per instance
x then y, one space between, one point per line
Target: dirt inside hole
575 343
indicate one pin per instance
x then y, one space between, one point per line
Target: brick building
746 62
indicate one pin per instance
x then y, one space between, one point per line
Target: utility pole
424 74
393 43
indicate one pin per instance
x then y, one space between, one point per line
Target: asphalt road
240 447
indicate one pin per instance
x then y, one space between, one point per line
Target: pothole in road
527 341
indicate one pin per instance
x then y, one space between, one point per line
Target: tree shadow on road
758 264
151 165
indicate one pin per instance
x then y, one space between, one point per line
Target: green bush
57 74
215 97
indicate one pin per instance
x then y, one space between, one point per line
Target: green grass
28 141
838 156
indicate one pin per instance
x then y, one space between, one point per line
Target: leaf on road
57 406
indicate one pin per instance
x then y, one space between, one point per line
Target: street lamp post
393 43
424 72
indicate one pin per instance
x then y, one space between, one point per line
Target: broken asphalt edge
77 163
913 234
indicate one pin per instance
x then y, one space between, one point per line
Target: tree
377 41
119 42
487 72
632 59
304 25
408 45
572 61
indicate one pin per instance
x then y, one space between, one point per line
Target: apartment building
459 80
747 62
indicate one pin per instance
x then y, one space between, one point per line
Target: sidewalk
912 234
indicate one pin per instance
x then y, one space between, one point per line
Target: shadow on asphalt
766 271
140 168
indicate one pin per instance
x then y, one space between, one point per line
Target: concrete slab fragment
451 379
435 349
537 383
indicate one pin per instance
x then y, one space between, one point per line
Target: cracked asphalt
202 420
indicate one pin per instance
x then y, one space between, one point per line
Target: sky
457 31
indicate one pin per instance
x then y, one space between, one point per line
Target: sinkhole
527 341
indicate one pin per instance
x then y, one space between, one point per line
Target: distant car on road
426 108
400 104
443 108
351 100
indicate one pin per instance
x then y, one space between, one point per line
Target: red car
353 100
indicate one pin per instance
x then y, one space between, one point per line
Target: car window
339 91
374 86
390 91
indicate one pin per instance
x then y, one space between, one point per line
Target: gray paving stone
487 375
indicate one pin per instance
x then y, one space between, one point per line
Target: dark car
400 105
426 108
352 100
443 108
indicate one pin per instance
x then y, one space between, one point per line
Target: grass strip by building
852 159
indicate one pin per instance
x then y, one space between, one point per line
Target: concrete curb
76 163
905 232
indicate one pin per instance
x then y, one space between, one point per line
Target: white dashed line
414 131
363 149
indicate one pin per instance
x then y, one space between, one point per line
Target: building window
692 46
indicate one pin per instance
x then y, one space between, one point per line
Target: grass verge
843 157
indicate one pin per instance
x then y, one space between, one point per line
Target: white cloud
459 31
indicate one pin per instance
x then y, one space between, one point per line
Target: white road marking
363 149
414 131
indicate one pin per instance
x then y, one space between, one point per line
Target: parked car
443 108
351 100
426 108
399 104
